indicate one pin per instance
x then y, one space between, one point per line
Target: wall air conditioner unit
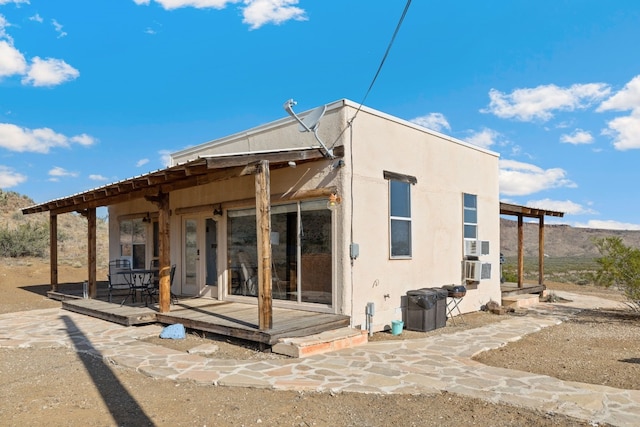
472 270
484 247
485 273
472 248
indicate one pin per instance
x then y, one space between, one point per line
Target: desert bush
26 240
619 266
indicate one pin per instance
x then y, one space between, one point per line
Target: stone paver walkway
430 365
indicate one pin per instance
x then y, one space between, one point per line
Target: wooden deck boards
233 319
123 315
511 289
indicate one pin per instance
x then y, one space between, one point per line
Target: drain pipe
371 310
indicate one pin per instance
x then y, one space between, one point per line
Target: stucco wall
444 169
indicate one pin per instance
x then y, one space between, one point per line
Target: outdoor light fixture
217 212
146 218
334 201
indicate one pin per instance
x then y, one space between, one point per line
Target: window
133 239
400 218
470 216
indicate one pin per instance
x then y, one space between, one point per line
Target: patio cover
521 212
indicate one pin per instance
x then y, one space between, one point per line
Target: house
354 216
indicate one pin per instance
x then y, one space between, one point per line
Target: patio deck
511 289
233 319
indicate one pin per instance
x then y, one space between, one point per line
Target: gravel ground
61 387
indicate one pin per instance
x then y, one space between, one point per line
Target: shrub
619 266
26 240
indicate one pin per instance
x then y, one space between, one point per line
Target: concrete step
321 343
520 301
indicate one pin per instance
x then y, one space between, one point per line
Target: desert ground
57 386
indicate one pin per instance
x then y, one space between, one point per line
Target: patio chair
118 269
156 281
249 276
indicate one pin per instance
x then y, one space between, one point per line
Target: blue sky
97 91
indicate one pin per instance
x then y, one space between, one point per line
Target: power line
384 58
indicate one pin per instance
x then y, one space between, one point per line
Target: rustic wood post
541 250
263 224
520 252
53 250
91 252
164 274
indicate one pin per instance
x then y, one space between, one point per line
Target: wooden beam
164 274
541 250
520 251
53 250
263 224
91 252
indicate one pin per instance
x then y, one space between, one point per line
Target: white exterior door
200 257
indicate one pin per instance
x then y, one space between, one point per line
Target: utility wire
384 58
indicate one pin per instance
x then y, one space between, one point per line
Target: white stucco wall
445 169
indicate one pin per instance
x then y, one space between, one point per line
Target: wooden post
91 252
53 250
520 252
263 224
164 274
541 250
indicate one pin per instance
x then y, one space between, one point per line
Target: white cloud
198 4
625 131
608 225
15 138
260 12
540 102
484 138
58 27
9 178
519 179
83 139
165 157
142 162
14 1
626 99
36 18
95 177
578 136
61 172
435 121
256 13
566 206
4 24
11 60
49 72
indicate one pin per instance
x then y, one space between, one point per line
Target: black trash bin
441 306
421 310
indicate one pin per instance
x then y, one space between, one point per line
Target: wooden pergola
157 186
521 212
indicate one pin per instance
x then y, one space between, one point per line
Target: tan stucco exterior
373 143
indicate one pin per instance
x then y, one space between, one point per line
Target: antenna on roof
310 122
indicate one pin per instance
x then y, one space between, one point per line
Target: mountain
559 240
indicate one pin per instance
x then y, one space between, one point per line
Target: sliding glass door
301 253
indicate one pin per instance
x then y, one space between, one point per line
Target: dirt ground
61 387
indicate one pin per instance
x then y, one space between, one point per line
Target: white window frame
466 209
394 219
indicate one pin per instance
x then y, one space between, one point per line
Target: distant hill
72 229
560 240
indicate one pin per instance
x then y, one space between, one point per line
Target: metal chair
118 271
156 281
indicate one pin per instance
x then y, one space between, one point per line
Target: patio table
139 280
